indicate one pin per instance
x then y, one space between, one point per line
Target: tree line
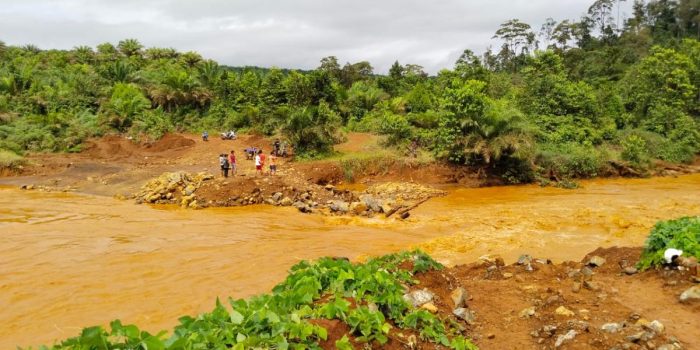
567 99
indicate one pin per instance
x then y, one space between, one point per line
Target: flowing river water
71 260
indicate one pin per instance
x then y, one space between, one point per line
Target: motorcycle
230 135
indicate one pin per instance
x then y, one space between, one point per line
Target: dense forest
567 98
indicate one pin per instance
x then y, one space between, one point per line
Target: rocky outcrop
173 188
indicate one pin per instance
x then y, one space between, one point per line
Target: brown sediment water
68 260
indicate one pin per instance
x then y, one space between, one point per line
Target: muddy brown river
71 260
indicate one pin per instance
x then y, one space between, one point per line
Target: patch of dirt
499 294
532 305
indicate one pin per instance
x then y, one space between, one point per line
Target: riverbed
72 260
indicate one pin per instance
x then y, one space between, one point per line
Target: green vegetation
367 297
560 102
9 160
683 234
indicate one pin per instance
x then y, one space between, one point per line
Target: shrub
683 234
10 160
634 150
571 160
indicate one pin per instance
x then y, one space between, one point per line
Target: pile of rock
387 198
403 191
173 188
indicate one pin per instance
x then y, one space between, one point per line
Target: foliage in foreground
368 297
683 234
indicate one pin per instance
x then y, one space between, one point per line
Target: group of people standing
228 162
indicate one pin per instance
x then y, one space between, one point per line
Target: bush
396 127
571 160
634 150
683 234
10 160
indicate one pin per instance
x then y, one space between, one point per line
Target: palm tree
156 53
130 47
83 54
209 73
190 58
501 131
31 48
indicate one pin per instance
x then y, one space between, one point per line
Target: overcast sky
283 33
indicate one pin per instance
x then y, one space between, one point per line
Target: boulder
358 207
524 259
386 208
611 327
430 307
590 285
563 311
341 207
189 189
630 270
565 338
419 297
459 296
286 201
465 314
596 261
372 202
527 312
277 196
655 326
302 207
690 295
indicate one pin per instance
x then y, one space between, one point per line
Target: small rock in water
576 287
524 259
562 339
596 261
690 295
507 275
611 327
563 311
459 296
465 314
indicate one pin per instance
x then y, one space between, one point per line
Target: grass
10 160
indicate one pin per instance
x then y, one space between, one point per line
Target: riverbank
364 178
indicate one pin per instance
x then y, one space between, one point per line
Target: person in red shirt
262 161
232 162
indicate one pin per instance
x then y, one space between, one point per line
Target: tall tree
517 35
130 47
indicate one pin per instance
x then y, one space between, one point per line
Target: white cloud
289 33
